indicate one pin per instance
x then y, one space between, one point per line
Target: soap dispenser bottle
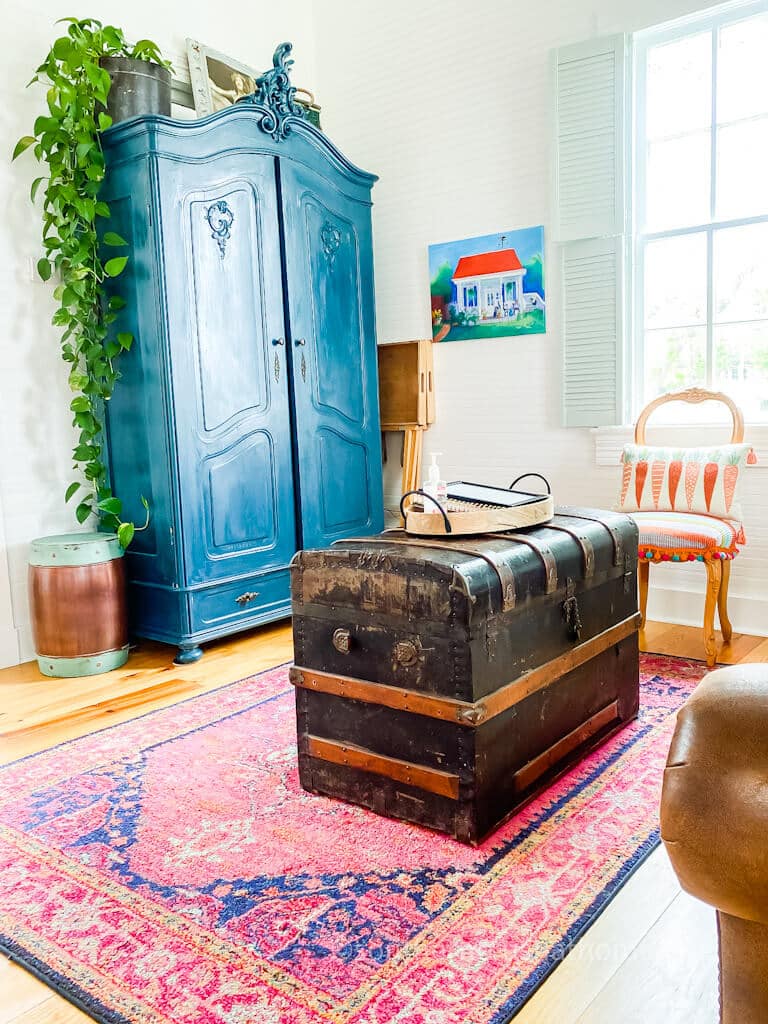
434 485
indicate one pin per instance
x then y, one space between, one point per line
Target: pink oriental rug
172 871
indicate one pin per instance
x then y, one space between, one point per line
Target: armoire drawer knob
278 341
248 596
299 342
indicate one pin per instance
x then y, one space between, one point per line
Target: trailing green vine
68 139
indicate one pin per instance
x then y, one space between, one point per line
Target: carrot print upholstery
673 477
691 476
641 472
702 481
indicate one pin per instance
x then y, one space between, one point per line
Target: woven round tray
456 518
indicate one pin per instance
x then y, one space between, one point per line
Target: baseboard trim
26 644
10 651
686 608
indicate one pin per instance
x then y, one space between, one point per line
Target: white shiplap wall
452 105
35 432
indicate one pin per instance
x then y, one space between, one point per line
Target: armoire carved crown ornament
275 94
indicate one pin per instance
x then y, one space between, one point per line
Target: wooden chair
718 570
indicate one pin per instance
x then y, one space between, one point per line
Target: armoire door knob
278 341
300 341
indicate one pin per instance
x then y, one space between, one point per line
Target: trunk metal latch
571 610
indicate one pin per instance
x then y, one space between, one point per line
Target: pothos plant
68 139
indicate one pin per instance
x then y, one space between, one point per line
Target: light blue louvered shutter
592 94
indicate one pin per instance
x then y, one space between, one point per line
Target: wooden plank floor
650 956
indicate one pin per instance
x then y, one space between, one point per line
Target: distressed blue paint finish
247 412
329 274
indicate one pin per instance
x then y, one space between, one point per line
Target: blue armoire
247 412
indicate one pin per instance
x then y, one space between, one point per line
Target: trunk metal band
607 521
466 713
587 549
500 567
544 551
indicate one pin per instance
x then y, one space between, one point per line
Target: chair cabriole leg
643 574
722 602
714 577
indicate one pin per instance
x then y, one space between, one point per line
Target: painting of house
491 286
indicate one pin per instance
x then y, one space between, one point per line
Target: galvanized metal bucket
139 87
78 604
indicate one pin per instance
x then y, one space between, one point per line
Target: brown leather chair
714 823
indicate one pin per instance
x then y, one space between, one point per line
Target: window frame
707 21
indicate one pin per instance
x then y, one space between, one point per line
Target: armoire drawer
247 598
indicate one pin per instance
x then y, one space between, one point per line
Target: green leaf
125 340
82 511
125 532
111 505
62 48
145 503
45 124
80 404
112 238
117 302
22 144
113 37
44 269
115 266
35 186
102 210
93 71
105 121
71 490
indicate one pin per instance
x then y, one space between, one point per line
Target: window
701 208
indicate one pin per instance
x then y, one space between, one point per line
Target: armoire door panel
329 275
229 368
331 250
344 465
242 519
221 233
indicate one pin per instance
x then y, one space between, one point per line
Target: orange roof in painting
500 261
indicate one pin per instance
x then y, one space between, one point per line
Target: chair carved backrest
694 396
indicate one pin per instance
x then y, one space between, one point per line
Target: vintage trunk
447 682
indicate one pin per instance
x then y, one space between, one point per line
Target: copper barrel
78 603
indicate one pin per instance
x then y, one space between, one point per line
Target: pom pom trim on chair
654 554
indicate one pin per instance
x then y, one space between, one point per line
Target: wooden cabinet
406 384
247 413
407 397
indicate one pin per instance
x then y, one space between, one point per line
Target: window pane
674 359
675 279
742 158
677 182
679 87
742 69
741 366
740 273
